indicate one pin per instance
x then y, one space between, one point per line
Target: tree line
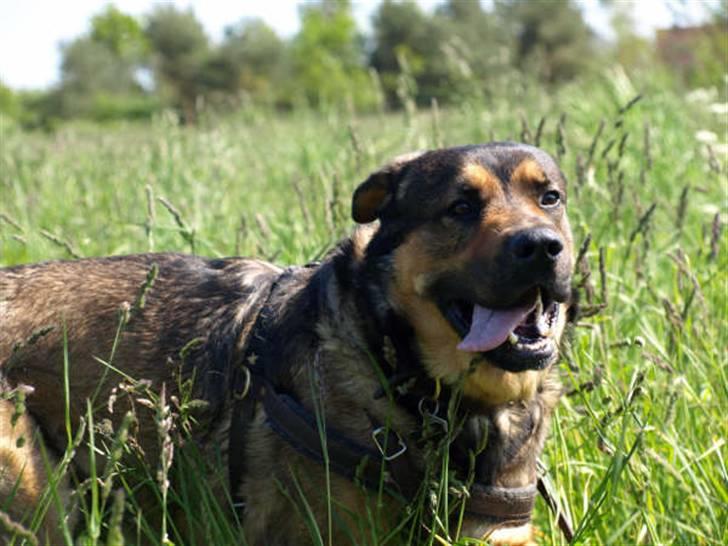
129 67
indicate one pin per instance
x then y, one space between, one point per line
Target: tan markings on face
528 172
526 182
535 210
486 241
414 270
481 178
492 386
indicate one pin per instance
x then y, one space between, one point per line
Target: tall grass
638 446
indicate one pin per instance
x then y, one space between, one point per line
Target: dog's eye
550 199
462 209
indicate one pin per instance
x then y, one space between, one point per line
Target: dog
433 330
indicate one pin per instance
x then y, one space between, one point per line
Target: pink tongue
491 327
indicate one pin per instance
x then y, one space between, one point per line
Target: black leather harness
385 462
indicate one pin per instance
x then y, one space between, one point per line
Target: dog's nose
539 246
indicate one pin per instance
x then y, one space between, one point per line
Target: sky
31 31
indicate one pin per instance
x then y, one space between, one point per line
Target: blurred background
134 59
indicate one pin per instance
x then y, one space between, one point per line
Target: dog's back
150 315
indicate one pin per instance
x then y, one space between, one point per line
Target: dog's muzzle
515 326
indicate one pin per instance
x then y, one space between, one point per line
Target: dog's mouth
516 338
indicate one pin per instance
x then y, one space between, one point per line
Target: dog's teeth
512 338
542 321
538 310
542 325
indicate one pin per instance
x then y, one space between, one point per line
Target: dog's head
478 256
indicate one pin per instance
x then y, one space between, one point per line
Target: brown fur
24 469
194 319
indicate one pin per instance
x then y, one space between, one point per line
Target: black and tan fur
328 322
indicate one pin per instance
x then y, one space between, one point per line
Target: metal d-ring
402 446
432 415
246 386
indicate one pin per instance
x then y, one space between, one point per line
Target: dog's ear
376 192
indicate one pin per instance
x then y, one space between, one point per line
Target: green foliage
99 76
249 60
405 38
40 109
177 36
465 51
120 33
90 69
478 40
555 45
115 107
711 58
181 47
10 105
90 66
327 57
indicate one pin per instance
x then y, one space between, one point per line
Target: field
637 451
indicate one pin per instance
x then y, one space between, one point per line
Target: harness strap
245 395
347 457
243 411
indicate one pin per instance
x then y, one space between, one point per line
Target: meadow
637 451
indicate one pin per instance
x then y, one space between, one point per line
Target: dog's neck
513 432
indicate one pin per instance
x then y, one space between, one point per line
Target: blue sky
31 30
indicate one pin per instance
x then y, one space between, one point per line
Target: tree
403 34
552 40
327 56
180 48
250 59
474 50
451 55
10 104
89 69
120 33
99 71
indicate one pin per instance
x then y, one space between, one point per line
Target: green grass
637 451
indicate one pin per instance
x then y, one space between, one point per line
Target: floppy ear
376 192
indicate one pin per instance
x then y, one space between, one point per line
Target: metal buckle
432 415
402 446
239 395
